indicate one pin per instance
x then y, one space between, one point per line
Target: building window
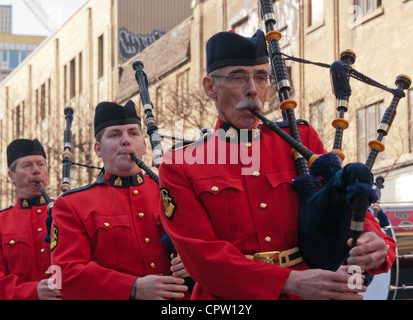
100 57
49 97
281 14
5 60
315 12
37 106
317 117
182 82
366 6
368 120
72 83
14 59
65 84
411 119
23 115
17 121
11 59
182 87
80 72
43 101
159 102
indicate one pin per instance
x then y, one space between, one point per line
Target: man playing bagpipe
24 255
106 237
228 202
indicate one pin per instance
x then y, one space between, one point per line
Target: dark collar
230 133
28 203
125 182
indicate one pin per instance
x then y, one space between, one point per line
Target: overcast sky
25 22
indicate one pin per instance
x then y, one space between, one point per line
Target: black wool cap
231 49
23 147
109 114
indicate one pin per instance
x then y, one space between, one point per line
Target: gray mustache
250 103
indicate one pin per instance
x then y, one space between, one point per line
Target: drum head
379 287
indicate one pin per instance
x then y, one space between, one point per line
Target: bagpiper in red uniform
24 255
228 200
106 237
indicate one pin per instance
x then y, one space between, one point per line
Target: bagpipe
67 150
155 140
67 156
150 121
332 213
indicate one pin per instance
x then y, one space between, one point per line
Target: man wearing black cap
232 207
24 256
107 236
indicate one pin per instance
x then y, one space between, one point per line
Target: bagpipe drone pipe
67 156
154 138
332 213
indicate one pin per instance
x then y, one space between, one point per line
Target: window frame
363 138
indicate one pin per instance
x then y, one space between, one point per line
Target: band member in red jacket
228 202
106 237
24 256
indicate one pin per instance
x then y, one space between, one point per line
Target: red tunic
104 237
24 256
216 214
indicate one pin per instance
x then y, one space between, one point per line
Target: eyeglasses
240 79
